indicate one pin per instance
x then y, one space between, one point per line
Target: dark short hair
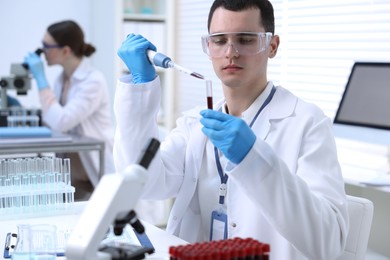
265 7
69 33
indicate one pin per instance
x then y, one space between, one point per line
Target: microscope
18 80
111 205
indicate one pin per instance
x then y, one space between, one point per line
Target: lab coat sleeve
306 203
79 107
136 107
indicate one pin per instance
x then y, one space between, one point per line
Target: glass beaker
43 242
22 247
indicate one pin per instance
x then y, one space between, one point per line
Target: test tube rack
18 116
229 249
32 187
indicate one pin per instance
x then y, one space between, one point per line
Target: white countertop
160 239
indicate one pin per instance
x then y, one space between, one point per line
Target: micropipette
163 61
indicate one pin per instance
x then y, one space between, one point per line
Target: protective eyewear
50 46
243 43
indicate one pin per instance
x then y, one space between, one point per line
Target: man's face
234 69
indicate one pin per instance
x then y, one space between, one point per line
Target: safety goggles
50 46
243 43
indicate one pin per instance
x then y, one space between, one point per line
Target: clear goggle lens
244 43
50 46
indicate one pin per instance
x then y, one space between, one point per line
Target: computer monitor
364 110
366 98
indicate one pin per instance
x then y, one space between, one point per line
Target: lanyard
222 175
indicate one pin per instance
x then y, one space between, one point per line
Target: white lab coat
288 191
86 113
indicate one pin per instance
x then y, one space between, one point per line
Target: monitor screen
366 98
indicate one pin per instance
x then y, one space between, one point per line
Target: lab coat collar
285 105
82 70
283 108
80 73
252 110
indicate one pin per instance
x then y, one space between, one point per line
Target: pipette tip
197 75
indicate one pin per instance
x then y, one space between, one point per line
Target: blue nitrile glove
133 54
230 134
35 65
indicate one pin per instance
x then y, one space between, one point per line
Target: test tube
58 181
10 121
58 169
209 92
34 118
69 198
66 170
8 200
17 198
50 182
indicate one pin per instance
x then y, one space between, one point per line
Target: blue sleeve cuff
230 166
128 79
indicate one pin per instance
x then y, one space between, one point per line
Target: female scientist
78 103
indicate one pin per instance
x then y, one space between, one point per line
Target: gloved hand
35 65
133 53
230 134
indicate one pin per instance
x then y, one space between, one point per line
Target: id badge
218 229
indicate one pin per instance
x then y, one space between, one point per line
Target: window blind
320 41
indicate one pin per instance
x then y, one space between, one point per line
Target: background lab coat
86 113
265 200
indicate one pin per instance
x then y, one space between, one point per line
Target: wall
106 34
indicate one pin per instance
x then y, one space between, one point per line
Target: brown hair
69 33
264 6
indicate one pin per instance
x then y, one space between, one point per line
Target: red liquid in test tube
209 91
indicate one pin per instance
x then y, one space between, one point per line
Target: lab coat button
175 218
234 225
194 179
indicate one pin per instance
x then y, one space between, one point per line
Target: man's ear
274 45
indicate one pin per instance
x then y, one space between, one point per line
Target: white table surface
160 239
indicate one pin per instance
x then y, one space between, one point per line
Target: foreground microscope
111 204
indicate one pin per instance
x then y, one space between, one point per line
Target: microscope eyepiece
38 52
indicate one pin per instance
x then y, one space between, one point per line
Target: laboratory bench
58 143
159 238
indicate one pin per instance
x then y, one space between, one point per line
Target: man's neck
238 99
